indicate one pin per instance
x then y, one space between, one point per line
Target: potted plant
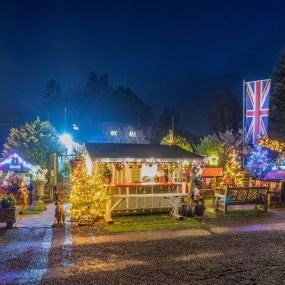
107 174
8 210
38 182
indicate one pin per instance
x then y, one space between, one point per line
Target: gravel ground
249 250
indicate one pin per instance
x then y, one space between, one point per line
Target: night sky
172 54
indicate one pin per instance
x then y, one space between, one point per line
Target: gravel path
249 250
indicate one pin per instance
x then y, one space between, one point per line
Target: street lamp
67 141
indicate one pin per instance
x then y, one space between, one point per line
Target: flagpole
243 120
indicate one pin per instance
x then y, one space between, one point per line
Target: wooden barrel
187 210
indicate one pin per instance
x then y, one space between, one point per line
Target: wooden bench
173 199
242 196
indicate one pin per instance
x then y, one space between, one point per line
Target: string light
88 195
232 168
20 160
272 144
259 162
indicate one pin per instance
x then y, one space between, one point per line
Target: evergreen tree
88 196
232 167
226 113
34 141
52 101
259 161
277 101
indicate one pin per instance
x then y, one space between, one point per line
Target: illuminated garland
21 161
272 144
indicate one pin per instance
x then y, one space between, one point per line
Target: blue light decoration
16 163
259 162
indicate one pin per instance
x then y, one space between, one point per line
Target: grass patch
244 213
31 212
149 222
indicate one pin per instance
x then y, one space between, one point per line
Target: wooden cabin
142 174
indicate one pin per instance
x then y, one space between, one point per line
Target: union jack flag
257 109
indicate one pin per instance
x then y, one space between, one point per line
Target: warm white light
149 171
132 134
113 133
89 165
213 159
66 140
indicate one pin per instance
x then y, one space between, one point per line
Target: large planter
8 216
38 193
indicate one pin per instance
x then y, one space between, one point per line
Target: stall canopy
139 152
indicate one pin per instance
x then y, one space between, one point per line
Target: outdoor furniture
275 197
142 203
173 199
241 196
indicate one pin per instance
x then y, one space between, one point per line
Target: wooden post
108 213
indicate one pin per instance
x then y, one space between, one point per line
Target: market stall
12 169
140 177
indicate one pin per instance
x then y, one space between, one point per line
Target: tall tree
277 101
221 145
97 86
226 113
52 101
34 141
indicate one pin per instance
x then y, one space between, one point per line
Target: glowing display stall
16 163
141 177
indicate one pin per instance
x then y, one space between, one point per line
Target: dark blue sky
175 54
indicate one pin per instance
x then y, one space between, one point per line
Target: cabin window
148 172
113 133
132 134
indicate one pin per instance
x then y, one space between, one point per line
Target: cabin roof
139 152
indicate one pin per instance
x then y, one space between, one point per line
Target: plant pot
38 193
8 216
108 180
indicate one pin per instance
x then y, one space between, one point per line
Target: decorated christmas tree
232 168
259 161
88 196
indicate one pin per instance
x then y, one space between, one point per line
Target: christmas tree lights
259 161
232 167
272 144
88 196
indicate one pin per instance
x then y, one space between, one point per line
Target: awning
113 152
